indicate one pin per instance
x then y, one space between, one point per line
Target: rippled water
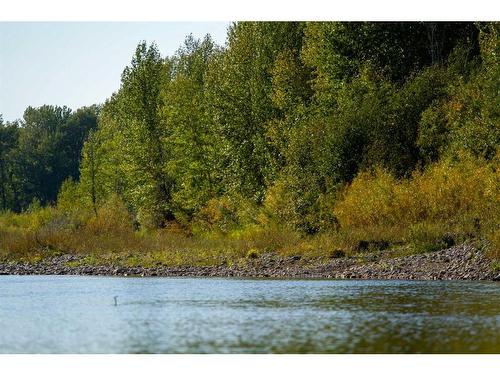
59 314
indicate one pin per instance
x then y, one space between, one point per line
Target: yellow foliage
224 214
461 196
112 216
278 206
442 192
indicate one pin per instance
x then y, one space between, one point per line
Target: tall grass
109 237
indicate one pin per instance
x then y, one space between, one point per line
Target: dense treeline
39 152
295 107
274 127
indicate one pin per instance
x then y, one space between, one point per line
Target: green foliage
240 90
129 152
225 214
362 134
70 196
246 121
192 138
337 50
9 134
426 237
138 104
38 153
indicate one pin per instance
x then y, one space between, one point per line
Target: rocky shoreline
463 262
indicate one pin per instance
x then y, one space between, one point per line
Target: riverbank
462 262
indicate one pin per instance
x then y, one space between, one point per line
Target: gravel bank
463 262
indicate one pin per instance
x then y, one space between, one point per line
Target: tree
192 137
49 149
76 129
467 118
135 137
91 168
9 133
240 91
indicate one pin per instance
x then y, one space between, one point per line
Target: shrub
252 254
368 201
453 196
493 238
337 253
224 214
112 217
425 237
69 197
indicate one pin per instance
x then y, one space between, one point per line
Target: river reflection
59 314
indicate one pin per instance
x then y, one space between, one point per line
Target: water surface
69 314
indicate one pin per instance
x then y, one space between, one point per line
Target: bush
425 237
252 254
225 214
493 238
337 253
112 216
460 196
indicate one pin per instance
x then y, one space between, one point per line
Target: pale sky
77 64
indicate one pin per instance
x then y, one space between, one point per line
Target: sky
78 64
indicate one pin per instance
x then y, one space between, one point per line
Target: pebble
456 263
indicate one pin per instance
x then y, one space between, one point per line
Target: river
75 314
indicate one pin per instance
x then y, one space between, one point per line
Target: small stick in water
116 300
